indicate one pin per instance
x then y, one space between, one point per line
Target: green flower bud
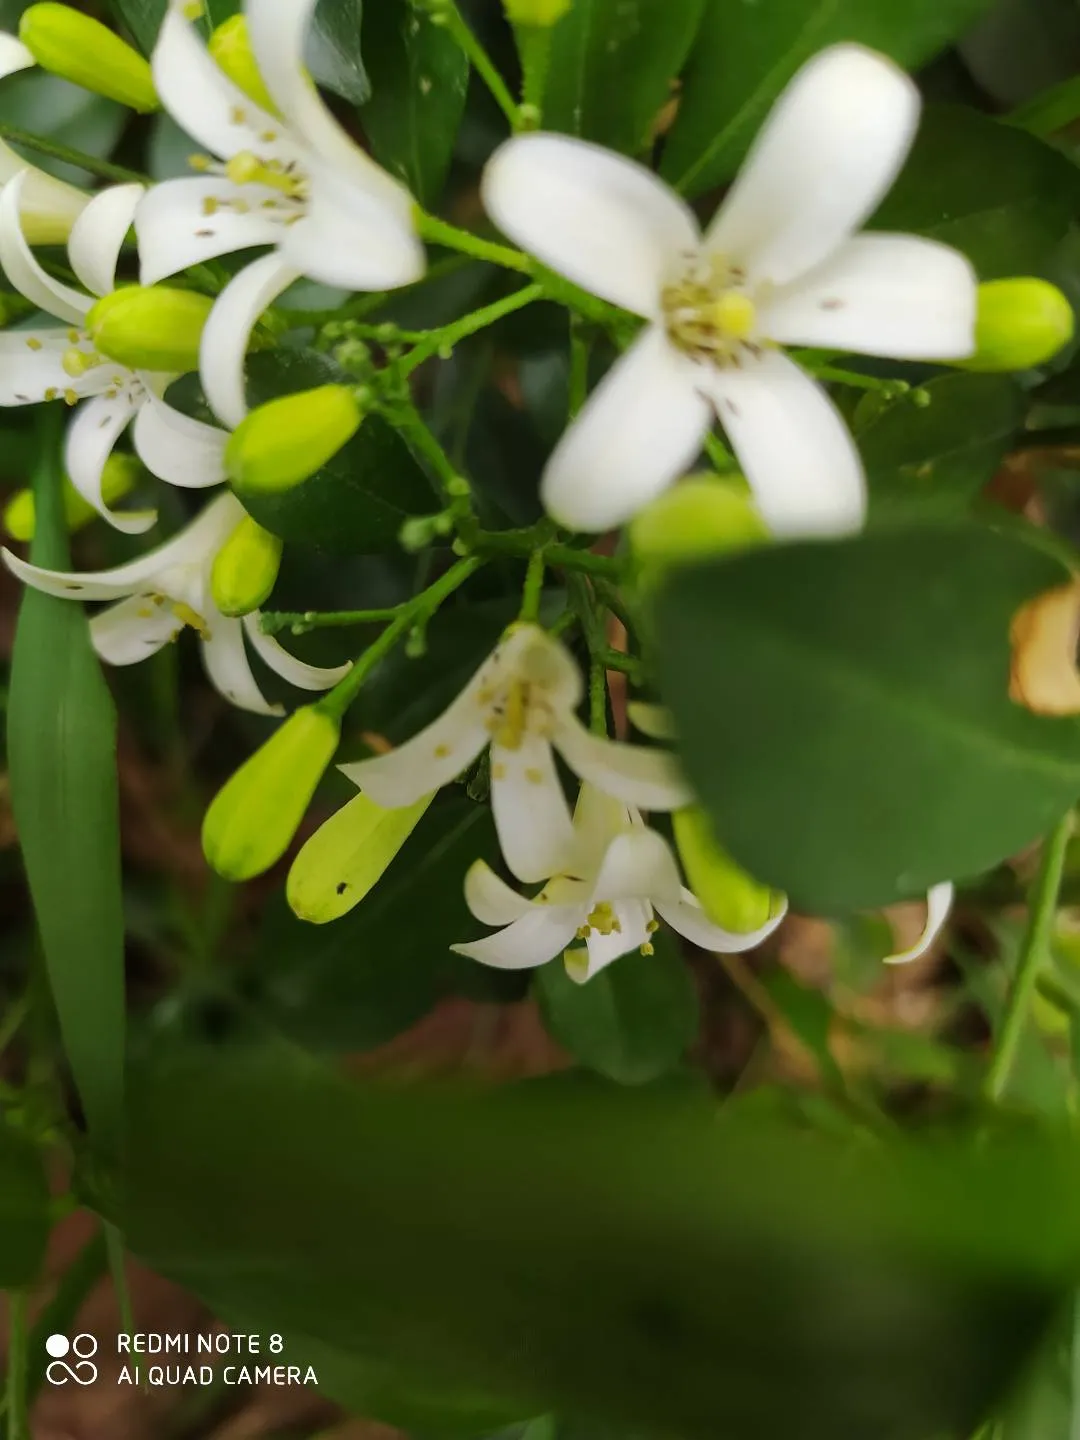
230 46
1021 323
150 327
703 515
70 44
540 14
255 814
347 855
730 897
282 443
245 568
119 477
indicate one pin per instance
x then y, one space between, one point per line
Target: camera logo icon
81 1369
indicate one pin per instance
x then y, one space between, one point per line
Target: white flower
780 264
294 181
48 207
168 588
37 365
522 701
618 872
939 901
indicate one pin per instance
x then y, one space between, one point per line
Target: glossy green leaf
932 461
360 980
421 76
142 18
646 1263
844 712
612 66
745 54
62 750
998 194
632 1021
357 502
25 1220
334 54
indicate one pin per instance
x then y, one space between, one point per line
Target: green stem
105 168
449 335
579 367
891 389
420 608
1033 952
15 1389
534 51
534 584
597 698
481 61
272 622
441 232
451 486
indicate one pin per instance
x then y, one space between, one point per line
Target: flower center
77 360
284 178
709 313
602 919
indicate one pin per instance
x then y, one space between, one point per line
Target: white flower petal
351 238
226 333
133 629
938 904
47 207
598 819
640 429
638 865
603 221
636 774
95 428
13 55
431 759
176 448
195 543
793 445
31 362
227 666
826 156
894 295
528 653
297 672
686 916
23 270
490 899
203 100
277 35
533 940
632 917
530 809
175 230
98 236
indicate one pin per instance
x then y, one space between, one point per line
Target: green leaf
745 54
62 751
25 1220
612 65
854 740
143 19
998 194
647 1263
360 980
930 462
421 76
357 502
333 52
632 1021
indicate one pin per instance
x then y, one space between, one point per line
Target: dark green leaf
1002 196
143 19
612 65
844 712
62 751
931 462
360 980
633 1021
421 76
357 502
745 54
644 1262
24 1209
334 49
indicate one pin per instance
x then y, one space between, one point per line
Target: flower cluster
782 264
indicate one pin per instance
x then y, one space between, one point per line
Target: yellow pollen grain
646 950
237 115
498 772
441 752
534 776
209 205
33 343
70 398
653 926
51 393
199 162
74 337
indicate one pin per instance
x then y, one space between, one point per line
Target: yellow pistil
708 313
733 315
247 169
603 920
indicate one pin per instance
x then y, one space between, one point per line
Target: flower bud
284 442
119 477
1020 324
230 46
255 814
150 327
347 855
703 515
72 45
729 896
245 568
540 14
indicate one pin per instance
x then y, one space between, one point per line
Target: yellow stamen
77 362
33 343
603 920
190 617
247 169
